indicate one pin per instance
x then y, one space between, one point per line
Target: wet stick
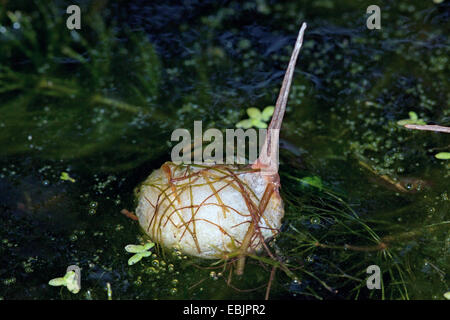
434 128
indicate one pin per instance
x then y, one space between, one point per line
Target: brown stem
428 128
386 178
269 284
256 216
129 214
268 158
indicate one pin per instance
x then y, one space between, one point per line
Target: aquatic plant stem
434 128
253 225
384 177
387 240
269 284
267 161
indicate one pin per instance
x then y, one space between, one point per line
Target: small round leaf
245 124
443 155
72 283
148 246
57 282
134 259
132 248
259 124
254 113
267 112
413 115
145 254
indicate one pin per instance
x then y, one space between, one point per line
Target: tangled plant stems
219 211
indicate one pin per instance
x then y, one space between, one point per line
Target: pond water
99 105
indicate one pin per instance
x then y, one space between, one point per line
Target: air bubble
315 220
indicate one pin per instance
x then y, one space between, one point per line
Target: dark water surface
100 104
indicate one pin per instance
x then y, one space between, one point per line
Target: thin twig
268 156
269 284
427 127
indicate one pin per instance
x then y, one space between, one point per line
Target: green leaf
72 282
245 124
145 254
65 176
148 246
443 155
404 121
447 295
267 112
410 121
57 282
413 119
314 181
254 113
132 248
68 275
259 124
134 259
413 115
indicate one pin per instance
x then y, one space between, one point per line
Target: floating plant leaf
65 176
413 115
140 251
138 256
70 280
254 113
57 282
267 113
259 124
257 118
145 254
134 259
245 124
413 119
443 155
148 246
133 248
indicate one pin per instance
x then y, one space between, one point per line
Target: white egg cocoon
219 211
206 211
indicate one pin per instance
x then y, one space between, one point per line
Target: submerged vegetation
85 116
